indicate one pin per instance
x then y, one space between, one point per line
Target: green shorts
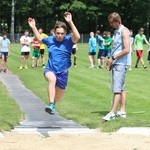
36 53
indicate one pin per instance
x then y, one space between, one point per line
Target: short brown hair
115 17
98 32
60 24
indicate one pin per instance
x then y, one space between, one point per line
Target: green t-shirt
139 41
108 43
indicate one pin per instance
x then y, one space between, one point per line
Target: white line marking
134 130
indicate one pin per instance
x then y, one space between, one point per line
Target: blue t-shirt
59 53
4 45
92 44
100 40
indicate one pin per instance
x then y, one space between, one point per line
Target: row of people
105 42
104 46
38 49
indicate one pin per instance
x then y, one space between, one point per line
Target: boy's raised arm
32 24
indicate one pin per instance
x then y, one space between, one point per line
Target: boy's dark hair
60 24
26 31
115 17
4 33
98 32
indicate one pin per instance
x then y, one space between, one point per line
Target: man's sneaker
50 109
26 67
121 114
109 116
144 67
20 67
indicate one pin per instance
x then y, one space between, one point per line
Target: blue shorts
5 54
61 78
118 78
106 53
100 52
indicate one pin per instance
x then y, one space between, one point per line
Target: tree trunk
12 20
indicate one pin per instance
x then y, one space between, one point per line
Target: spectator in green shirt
107 46
139 41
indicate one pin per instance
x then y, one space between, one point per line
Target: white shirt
25 41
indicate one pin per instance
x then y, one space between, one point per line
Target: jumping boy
59 58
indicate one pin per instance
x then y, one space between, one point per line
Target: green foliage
86 14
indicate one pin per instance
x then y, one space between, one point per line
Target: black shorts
74 51
100 52
42 51
148 56
25 53
92 53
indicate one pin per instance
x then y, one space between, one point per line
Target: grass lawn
10 113
88 98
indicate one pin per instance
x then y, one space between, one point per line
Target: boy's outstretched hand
31 22
68 16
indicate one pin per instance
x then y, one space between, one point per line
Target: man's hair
4 33
141 29
108 33
60 24
98 32
115 17
26 31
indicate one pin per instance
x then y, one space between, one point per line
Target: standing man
118 64
92 49
100 41
42 47
5 51
59 58
25 41
139 41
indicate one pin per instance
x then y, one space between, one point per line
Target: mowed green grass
88 98
10 113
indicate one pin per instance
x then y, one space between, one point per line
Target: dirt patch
92 141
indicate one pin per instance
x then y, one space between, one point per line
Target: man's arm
31 22
75 35
146 41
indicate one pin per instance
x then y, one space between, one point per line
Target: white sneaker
121 114
109 116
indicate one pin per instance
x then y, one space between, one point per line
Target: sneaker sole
49 111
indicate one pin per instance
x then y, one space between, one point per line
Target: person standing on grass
118 64
42 47
100 41
59 58
25 41
74 51
36 52
92 49
107 47
5 51
139 41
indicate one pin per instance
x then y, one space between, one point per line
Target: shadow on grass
100 113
